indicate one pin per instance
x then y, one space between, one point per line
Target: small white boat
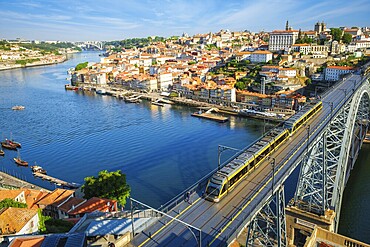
18 107
101 91
38 169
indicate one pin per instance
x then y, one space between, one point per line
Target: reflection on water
72 135
354 220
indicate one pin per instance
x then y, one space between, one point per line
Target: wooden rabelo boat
19 161
9 145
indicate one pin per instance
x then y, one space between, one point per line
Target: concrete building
288 72
333 73
164 81
282 40
304 49
260 56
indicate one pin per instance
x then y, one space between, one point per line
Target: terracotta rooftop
9 194
340 67
34 241
262 52
12 220
55 197
95 204
33 196
68 205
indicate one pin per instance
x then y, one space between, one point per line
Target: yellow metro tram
229 175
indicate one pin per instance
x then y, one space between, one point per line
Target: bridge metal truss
268 227
331 155
97 44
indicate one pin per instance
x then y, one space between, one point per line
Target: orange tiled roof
245 92
287 69
34 241
94 204
340 67
32 196
12 220
73 201
261 52
55 197
9 194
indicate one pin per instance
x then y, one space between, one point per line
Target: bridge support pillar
301 223
268 227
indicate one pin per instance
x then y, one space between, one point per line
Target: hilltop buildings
188 65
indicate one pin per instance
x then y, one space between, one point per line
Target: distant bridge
87 45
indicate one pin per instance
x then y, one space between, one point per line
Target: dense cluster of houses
186 64
58 204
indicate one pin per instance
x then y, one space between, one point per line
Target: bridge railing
233 233
248 215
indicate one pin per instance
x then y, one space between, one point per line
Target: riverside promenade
10 182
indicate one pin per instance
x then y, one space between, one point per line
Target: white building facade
282 40
333 73
260 56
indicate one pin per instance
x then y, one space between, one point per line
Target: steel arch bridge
90 44
326 167
325 149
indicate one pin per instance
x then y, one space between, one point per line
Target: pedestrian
187 196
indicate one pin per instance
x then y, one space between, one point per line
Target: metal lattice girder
324 169
268 228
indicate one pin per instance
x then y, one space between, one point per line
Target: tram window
213 191
223 189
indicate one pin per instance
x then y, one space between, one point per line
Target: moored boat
17 144
157 103
38 169
2 153
9 145
101 91
20 162
18 107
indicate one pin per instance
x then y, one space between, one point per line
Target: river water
162 150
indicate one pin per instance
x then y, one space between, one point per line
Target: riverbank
234 108
10 182
62 59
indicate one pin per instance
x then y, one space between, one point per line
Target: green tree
308 81
109 185
347 38
81 66
336 33
55 225
6 203
240 85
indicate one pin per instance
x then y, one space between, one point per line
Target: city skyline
98 20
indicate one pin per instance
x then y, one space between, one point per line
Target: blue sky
80 20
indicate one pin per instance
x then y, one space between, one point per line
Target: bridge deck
219 221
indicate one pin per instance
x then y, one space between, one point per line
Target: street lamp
132 219
273 173
222 148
